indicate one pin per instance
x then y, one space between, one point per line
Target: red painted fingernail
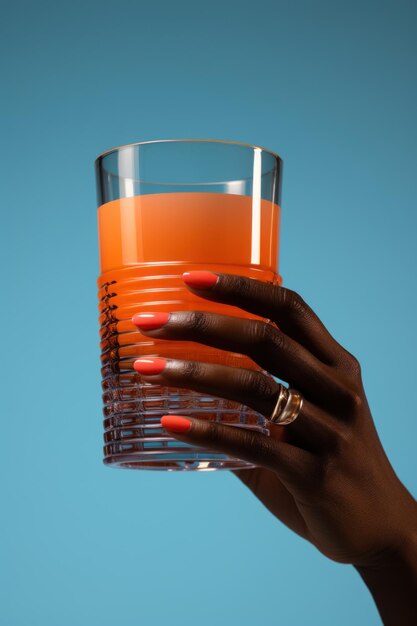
200 280
176 423
149 366
150 321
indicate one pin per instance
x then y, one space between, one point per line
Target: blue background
328 85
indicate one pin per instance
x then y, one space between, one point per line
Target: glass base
172 462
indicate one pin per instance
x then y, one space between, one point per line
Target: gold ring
287 407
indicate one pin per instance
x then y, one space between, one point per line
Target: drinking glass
166 207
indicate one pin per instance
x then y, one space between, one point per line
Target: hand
326 475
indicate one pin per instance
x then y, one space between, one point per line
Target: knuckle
243 285
259 447
196 321
356 401
325 474
324 478
213 432
353 364
252 441
343 441
353 401
237 285
292 300
192 369
268 335
256 384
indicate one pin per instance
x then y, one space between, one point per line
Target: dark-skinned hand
325 475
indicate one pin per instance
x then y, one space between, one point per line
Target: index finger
282 306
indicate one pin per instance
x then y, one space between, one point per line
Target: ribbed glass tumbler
166 207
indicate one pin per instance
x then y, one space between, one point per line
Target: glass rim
225 141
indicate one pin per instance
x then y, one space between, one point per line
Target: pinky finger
292 464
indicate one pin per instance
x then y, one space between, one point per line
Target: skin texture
326 475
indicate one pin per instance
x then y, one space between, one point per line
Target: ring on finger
287 407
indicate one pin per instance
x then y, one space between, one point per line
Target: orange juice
200 228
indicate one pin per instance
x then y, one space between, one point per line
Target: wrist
400 550
391 577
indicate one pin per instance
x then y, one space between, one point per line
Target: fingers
265 344
284 307
312 430
289 462
249 387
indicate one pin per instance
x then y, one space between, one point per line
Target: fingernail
175 423
150 321
200 280
149 366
